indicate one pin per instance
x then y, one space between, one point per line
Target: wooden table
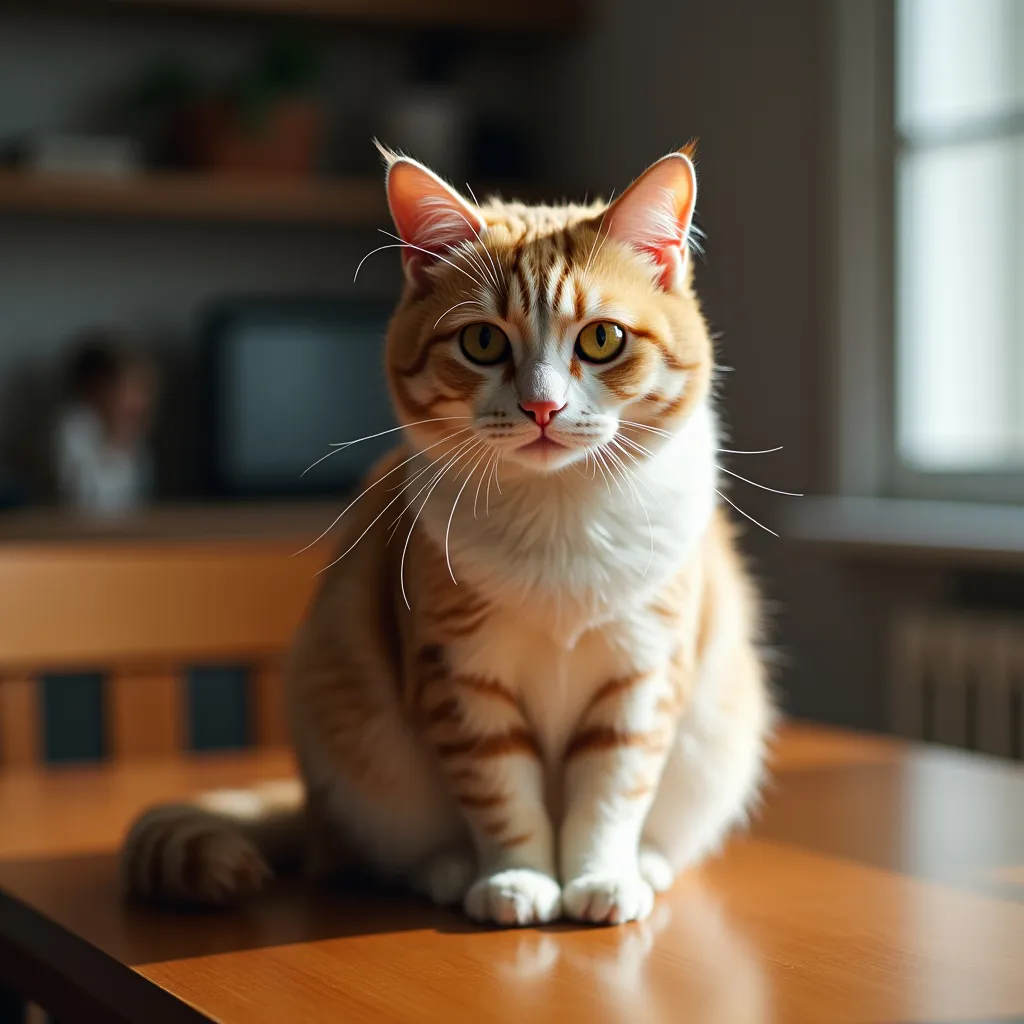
882 883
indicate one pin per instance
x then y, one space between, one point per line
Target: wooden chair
142 612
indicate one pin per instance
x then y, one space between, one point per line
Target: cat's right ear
430 217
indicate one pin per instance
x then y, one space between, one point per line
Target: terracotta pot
216 139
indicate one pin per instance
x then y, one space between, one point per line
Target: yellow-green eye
600 342
484 344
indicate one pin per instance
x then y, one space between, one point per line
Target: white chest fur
564 555
568 551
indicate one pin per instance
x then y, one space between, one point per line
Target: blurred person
102 462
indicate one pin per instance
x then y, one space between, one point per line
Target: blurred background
188 186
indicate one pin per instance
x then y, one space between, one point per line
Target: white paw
608 897
515 896
655 869
446 876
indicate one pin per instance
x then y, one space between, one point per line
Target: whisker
379 480
434 255
455 505
339 446
635 445
469 189
476 256
745 514
724 451
408 538
618 463
379 248
638 464
377 518
643 426
456 306
466 251
605 471
760 451
493 473
597 237
452 452
764 487
487 468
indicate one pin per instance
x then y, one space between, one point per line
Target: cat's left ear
654 215
429 215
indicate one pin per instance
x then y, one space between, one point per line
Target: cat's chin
545 456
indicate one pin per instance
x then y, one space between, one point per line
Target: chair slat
145 713
19 721
267 701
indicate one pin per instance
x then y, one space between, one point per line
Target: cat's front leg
493 764
613 765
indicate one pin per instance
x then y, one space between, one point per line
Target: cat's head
546 332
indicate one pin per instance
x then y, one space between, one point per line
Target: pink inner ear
654 215
428 215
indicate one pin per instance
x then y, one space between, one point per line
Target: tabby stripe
495 828
559 286
446 711
487 688
640 790
468 628
671 359
424 353
605 737
618 686
524 286
518 840
575 368
515 741
482 800
581 300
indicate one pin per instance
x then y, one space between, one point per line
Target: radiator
958 678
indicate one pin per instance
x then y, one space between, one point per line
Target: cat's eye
484 344
600 342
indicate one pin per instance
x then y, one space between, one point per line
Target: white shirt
93 475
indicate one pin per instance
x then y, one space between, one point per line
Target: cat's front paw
608 897
515 896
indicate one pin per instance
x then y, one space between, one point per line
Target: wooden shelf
211 197
198 197
518 15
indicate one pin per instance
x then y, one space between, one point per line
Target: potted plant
265 121
268 121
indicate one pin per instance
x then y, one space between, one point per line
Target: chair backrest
143 613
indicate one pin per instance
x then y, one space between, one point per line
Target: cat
543 697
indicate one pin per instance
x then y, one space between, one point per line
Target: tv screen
286 380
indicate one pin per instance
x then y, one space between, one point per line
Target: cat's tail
217 849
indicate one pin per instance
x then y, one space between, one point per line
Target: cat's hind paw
515 896
655 869
446 876
607 897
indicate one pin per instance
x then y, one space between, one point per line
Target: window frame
865 151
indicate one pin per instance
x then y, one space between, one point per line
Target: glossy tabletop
880 883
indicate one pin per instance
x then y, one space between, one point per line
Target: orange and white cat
543 696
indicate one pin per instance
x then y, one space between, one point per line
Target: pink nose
542 412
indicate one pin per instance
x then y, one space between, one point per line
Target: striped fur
531 683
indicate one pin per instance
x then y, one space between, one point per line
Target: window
959 220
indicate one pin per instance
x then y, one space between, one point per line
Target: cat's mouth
541 445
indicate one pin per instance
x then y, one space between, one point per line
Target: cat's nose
542 412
